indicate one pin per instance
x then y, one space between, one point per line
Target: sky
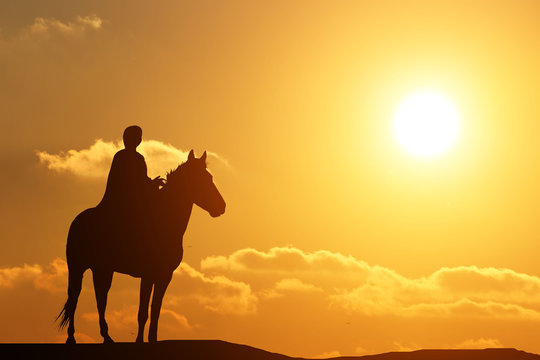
335 241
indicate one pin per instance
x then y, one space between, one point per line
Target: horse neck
176 213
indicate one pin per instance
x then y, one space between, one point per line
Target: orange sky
335 241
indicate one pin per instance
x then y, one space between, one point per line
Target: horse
151 250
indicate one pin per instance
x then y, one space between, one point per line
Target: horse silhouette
149 247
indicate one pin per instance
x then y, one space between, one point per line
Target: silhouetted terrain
485 354
221 350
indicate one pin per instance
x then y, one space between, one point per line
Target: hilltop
221 350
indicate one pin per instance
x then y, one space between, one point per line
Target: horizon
346 232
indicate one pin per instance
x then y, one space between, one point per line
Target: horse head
192 179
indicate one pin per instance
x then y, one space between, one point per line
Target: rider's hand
158 181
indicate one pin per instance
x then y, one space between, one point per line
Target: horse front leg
159 291
144 300
102 284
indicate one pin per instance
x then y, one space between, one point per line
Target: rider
129 188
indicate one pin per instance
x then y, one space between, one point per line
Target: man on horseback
97 240
128 182
126 202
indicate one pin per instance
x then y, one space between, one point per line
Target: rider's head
132 137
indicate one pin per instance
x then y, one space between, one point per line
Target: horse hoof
139 340
70 340
108 340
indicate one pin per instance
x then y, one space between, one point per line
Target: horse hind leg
67 315
144 300
160 286
102 284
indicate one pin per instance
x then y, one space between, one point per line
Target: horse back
80 235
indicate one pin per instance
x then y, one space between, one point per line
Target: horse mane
173 176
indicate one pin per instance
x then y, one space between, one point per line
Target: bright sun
426 124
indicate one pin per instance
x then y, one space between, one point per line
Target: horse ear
203 157
191 155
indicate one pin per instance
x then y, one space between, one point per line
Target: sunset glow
379 161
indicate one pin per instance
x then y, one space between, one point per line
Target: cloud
360 350
295 285
49 26
398 346
288 287
357 287
478 344
322 268
327 355
95 161
92 162
373 303
505 284
52 278
215 293
125 318
44 29
10 276
259 290
374 291
179 319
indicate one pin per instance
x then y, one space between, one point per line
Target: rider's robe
128 182
125 207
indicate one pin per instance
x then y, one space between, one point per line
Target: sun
426 124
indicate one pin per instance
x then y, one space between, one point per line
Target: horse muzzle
218 212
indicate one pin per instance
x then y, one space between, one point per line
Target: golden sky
335 240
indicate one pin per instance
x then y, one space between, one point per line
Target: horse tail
74 289
75 269
64 315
